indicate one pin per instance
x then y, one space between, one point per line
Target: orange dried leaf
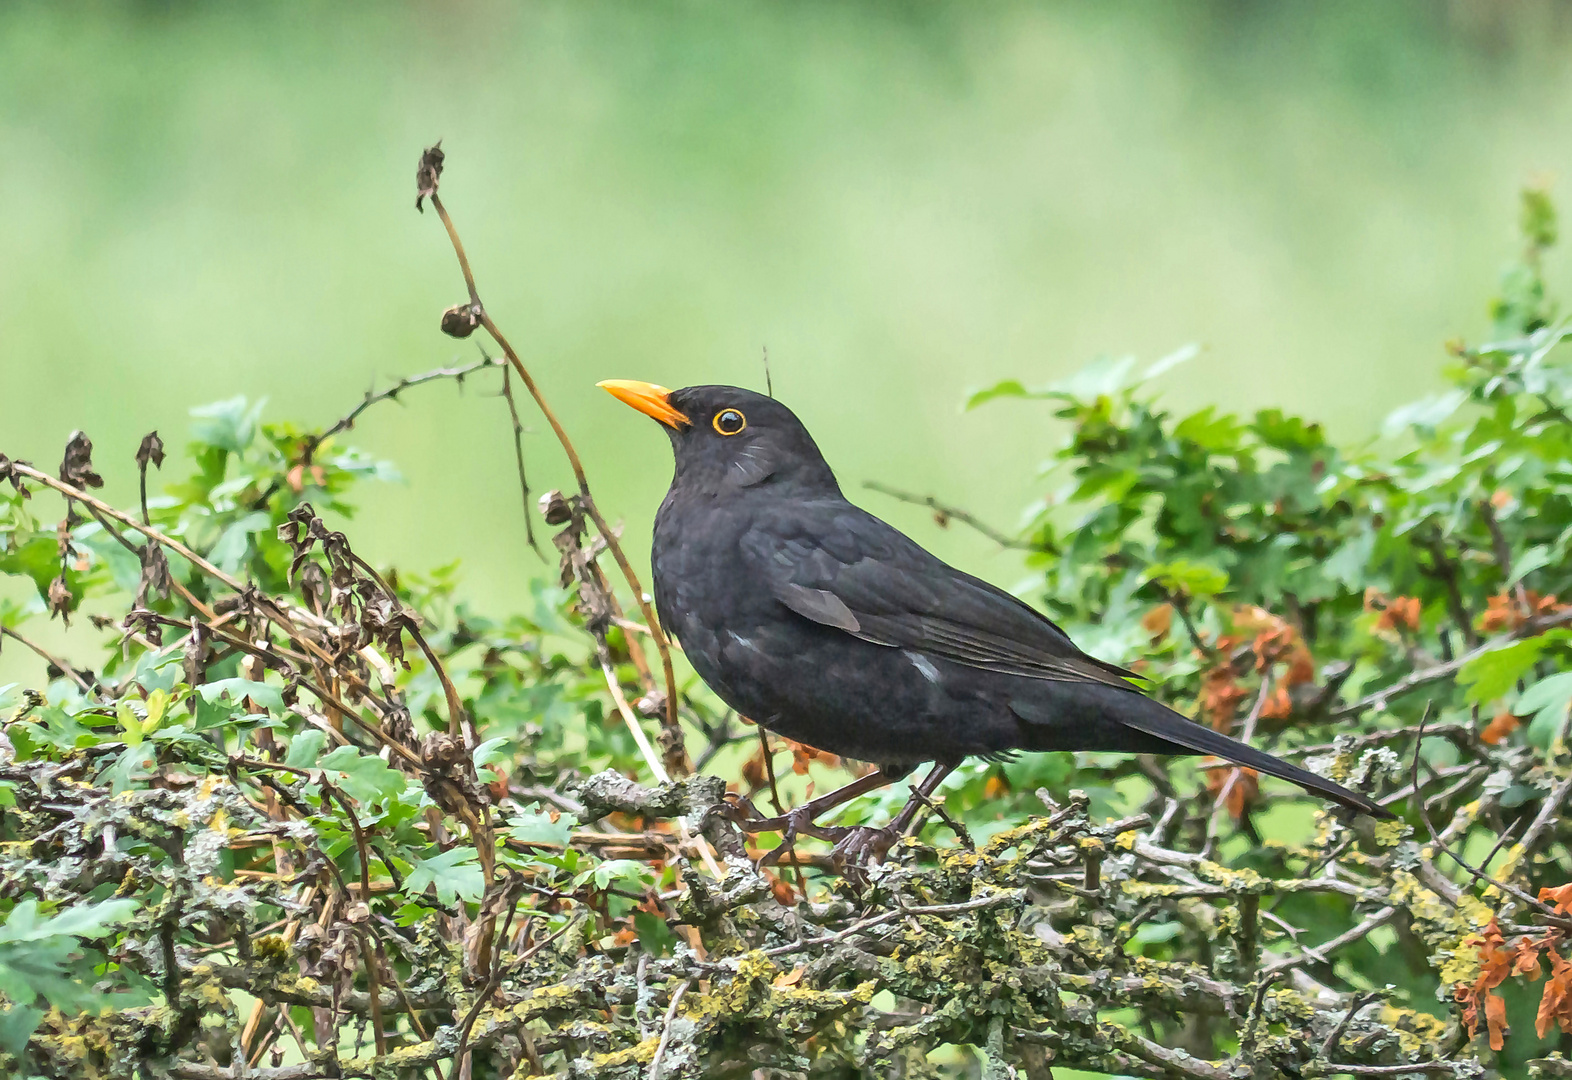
1526 958
1500 726
1555 1004
789 978
997 786
1500 614
1254 619
1273 644
784 894
1496 1021
1401 614
753 770
1301 668
1220 697
1244 792
1158 621
1279 705
1496 962
1560 896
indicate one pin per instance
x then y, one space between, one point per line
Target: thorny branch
944 513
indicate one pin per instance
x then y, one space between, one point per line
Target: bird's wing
842 567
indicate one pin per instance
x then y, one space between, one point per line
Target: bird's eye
730 421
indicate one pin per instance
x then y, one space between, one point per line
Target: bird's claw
740 811
862 845
799 822
794 823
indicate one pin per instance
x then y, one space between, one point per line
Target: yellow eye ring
729 421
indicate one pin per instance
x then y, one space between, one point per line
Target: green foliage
43 965
454 873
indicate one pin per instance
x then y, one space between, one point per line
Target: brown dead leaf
1158 621
1560 896
1401 614
1500 726
1495 964
789 978
1220 697
1278 706
1244 792
1555 1004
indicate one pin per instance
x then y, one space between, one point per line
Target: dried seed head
460 320
555 508
77 467
152 449
428 173
60 599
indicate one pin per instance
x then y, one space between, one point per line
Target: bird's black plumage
824 624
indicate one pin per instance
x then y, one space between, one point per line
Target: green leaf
80 920
226 425
1535 558
1153 933
269 697
229 554
1208 431
17 1025
157 704
1547 700
455 874
1548 693
121 773
1008 388
1191 578
362 777
1103 376
1495 673
305 747
490 752
1427 414
129 722
1349 564
654 934
627 872
536 827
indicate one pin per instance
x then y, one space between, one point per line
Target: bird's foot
792 824
862 846
740 811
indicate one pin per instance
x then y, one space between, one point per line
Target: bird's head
726 438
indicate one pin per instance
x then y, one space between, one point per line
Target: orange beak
649 399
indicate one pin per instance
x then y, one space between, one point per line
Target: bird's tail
1168 725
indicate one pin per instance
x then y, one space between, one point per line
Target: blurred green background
900 200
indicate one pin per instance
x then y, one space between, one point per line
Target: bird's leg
862 844
799 821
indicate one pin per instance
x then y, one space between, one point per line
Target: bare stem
661 644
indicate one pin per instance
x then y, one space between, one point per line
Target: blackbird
826 625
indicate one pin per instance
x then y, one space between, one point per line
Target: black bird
822 623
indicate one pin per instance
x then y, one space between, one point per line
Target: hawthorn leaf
455 874
364 778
